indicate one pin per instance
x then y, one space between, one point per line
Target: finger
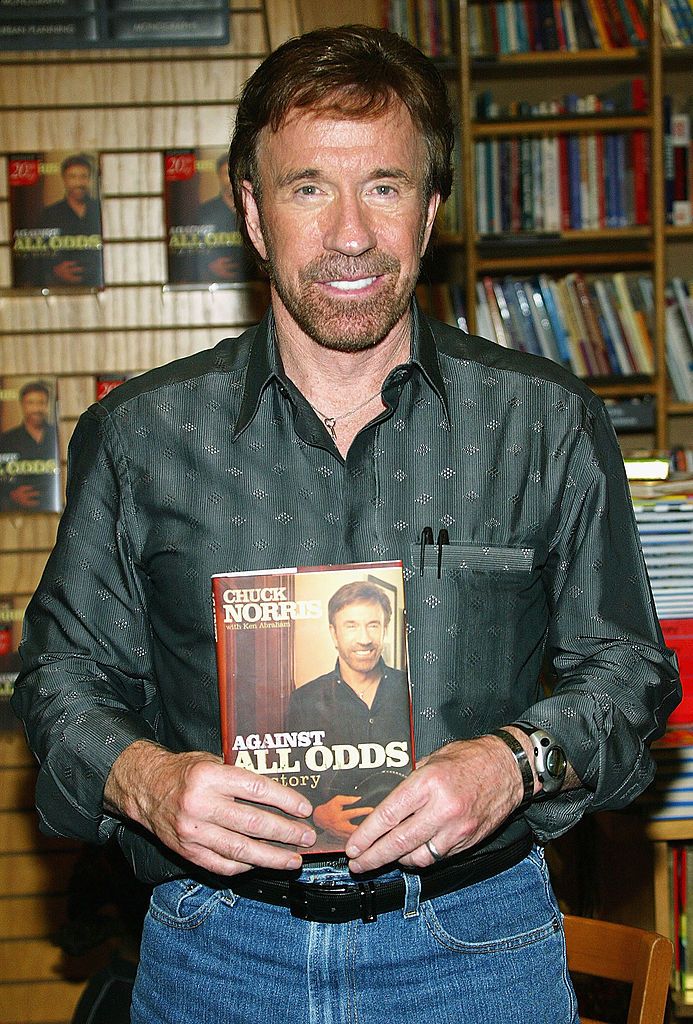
252 820
230 854
249 786
399 805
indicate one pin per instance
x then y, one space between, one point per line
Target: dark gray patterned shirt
216 463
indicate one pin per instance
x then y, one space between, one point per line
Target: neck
360 682
35 432
336 382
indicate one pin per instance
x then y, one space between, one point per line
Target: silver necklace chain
331 421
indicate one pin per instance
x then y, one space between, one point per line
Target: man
361 700
29 469
343 429
75 223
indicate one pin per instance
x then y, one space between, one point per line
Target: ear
252 219
431 211
333 634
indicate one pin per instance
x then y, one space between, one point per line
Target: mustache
339 267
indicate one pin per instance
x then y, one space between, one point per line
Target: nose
348 229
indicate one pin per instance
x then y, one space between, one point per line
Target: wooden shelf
561 125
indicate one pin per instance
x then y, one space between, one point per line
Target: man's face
342 222
358 633
35 409
77 181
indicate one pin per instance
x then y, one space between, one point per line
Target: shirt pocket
476 631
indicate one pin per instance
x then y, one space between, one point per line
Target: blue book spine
556 320
669 174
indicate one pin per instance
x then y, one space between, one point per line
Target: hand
336 816
223 267
69 272
456 797
190 801
25 496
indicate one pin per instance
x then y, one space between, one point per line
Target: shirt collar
265 365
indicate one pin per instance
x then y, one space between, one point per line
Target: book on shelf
55 220
679 344
313 685
596 325
29 449
204 244
497 28
559 181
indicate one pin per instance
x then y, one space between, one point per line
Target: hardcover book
29 452
313 685
55 217
204 243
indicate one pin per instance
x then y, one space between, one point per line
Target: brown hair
353 70
355 593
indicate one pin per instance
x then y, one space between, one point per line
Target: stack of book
665 523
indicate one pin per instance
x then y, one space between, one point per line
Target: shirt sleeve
86 689
615 681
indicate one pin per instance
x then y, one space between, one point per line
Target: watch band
523 764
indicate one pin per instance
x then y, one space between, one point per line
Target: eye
307 190
385 190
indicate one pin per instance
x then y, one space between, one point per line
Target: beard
345 324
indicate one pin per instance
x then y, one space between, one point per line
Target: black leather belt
365 900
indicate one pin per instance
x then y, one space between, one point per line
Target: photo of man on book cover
314 688
55 215
29 452
204 243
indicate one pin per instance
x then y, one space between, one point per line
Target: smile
351 286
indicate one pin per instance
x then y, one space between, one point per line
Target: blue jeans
493 953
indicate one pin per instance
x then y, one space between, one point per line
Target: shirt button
371 721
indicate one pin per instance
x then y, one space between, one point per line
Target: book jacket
204 245
55 220
313 685
29 451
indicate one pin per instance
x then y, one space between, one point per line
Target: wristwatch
550 762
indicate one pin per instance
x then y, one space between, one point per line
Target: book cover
55 220
29 452
313 685
204 245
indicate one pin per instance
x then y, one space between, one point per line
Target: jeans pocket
185 904
513 909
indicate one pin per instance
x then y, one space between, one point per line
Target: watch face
555 762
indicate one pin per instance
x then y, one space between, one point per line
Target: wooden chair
621 953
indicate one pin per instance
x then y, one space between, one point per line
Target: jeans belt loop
412 894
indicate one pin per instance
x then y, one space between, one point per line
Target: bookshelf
467 251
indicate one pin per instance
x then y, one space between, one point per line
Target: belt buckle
301 906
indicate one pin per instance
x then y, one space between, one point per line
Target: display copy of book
313 685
